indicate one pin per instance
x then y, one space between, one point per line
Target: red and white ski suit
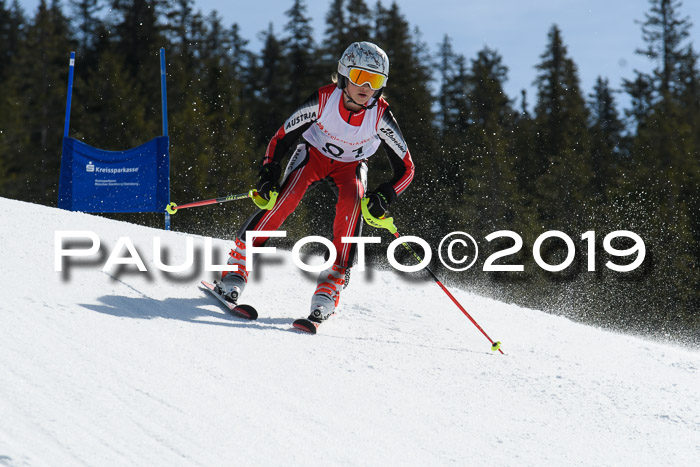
336 146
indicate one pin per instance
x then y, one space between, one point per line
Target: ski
306 325
240 311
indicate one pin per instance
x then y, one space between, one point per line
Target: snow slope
146 369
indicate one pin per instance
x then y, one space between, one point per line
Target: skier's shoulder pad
383 105
306 113
327 89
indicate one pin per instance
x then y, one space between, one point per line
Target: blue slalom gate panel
97 180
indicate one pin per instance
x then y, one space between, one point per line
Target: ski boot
233 283
325 299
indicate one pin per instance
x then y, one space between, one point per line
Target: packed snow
145 368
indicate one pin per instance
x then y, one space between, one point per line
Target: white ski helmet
363 62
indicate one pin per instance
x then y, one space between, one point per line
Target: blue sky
601 35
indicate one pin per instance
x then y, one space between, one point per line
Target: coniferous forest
567 158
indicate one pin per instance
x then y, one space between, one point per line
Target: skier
341 126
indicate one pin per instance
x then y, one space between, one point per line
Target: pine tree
184 31
606 134
452 123
178 30
34 124
336 37
493 185
562 170
137 40
689 74
12 35
346 22
664 31
664 139
272 85
446 64
242 67
359 22
525 143
409 95
212 136
640 91
408 78
663 163
228 118
657 97
299 51
407 87
11 25
108 110
240 57
192 68
88 25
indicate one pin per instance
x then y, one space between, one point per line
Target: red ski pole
388 223
172 208
494 345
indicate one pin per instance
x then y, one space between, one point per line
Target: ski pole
259 201
494 345
172 207
388 223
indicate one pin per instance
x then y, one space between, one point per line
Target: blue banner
134 180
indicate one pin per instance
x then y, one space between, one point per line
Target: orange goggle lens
360 77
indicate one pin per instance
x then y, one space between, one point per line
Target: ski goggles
359 77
